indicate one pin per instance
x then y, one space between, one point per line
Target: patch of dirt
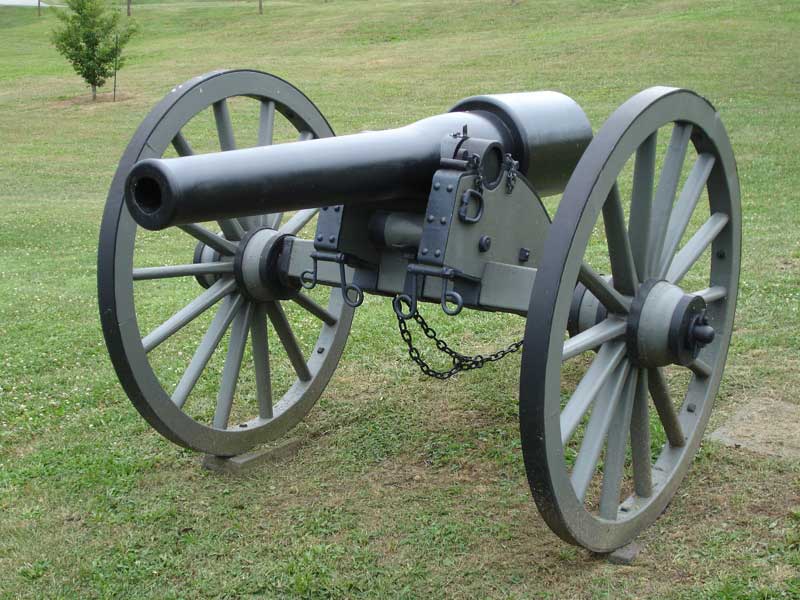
765 426
86 99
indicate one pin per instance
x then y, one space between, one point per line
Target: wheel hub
256 266
666 326
206 254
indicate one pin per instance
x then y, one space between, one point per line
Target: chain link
461 362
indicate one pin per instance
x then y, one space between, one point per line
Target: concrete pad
244 463
766 426
625 555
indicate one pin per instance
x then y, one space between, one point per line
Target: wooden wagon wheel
211 275
596 475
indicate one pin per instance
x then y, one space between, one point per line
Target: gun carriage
621 291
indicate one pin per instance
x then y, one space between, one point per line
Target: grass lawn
404 487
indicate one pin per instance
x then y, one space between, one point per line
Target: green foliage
90 37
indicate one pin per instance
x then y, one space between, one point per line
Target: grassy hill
404 488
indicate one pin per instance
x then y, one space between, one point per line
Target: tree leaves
91 38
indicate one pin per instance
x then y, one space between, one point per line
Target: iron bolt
437 252
424 250
437 185
430 218
484 243
450 187
524 254
443 220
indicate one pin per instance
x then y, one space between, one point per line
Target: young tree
90 37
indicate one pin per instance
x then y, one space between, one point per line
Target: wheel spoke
642 202
181 146
273 220
684 208
695 247
211 339
298 221
700 368
210 239
614 462
266 123
665 408
231 229
222 117
603 291
258 336
593 337
315 309
188 313
640 440
284 331
233 365
597 430
305 135
166 272
665 193
712 294
598 373
619 245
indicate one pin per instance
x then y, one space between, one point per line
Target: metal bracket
415 275
308 279
464 206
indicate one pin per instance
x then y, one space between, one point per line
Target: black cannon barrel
546 131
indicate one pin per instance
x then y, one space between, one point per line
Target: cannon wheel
595 463
211 269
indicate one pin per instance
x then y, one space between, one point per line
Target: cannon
229 272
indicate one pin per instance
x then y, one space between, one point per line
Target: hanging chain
460 361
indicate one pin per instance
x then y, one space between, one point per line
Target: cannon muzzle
545 131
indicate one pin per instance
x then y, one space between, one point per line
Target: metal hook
410 299
453 297
347 288
308 279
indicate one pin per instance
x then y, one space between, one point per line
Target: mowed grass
404 487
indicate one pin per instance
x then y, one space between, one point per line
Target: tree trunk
260 7
94 92
129 8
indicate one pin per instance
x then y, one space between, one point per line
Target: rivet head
437 252
721 254
337 208
437 185
430 218
450 187
524 254
332 239
484 243
320 350
691 407
424 250
319 238
324 208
